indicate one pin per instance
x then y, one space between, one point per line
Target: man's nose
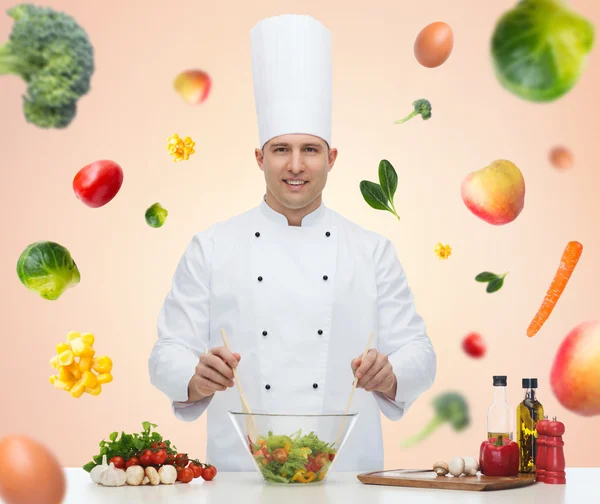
296 163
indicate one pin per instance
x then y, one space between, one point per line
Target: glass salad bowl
296 449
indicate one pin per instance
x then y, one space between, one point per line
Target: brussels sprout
539 49
47 268
156 215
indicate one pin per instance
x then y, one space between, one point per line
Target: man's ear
259 155
332 157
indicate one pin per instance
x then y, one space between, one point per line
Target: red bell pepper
499 457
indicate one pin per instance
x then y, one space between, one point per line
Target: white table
583 486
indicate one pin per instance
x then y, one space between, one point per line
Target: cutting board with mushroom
417 478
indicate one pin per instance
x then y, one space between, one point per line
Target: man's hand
213 373
375 373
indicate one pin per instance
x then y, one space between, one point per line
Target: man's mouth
295 182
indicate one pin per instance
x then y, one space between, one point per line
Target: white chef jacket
298 303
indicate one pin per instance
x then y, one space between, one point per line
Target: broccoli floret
53 54
421 106
449 407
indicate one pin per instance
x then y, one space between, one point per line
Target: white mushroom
145 481
440 468
153 476
456 466
471 466
135 474
168 474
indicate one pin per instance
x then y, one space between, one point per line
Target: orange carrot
568 261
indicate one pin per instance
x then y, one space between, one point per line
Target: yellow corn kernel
77 346
104 378
102 364
74 369
88 339
61 347
89 379
88 351
78 389
94 391
65 358
52 379
64 374
85 364
64 385
73 335
54 362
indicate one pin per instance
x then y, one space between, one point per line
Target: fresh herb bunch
495 282
381 196
130 445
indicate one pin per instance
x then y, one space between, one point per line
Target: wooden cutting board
417 478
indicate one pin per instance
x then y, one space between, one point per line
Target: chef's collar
311 219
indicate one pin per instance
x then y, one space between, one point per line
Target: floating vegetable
539 49
473 345
442 251
381 196
449 407
421 107
47 268
156 215
193 86
98 183
495 282
53 55
568 261
434 44
180 149
561 158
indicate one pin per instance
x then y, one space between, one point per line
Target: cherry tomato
311 465
208 473
331 457
196 469
119 462
158 445
321 459
185 475
159 457
279 455
181 459
131 462
98 183
474 345
170 459
146 458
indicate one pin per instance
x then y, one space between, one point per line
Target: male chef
297 287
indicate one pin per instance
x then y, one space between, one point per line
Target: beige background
127 266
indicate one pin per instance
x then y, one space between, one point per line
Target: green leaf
495 285
113 436
138 444
388 178
486 276
374 195
89 466
146 426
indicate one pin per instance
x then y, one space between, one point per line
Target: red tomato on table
98 183
208 473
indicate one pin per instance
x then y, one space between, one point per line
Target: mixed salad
292 459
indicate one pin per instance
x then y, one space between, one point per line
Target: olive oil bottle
499 417
528 413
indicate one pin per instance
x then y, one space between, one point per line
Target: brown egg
561 158
29 472
434 44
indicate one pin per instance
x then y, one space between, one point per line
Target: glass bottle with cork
529 412
500 416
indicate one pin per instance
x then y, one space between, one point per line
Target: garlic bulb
111 476
97 471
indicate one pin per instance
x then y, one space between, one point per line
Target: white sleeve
402 334
183 328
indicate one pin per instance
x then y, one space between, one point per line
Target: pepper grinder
540 460
554 457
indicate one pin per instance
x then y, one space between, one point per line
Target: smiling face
295 168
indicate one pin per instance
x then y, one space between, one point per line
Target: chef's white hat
291 68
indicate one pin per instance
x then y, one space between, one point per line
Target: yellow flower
180 149
442 251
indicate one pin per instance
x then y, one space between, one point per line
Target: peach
193 86
575 375
495 193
